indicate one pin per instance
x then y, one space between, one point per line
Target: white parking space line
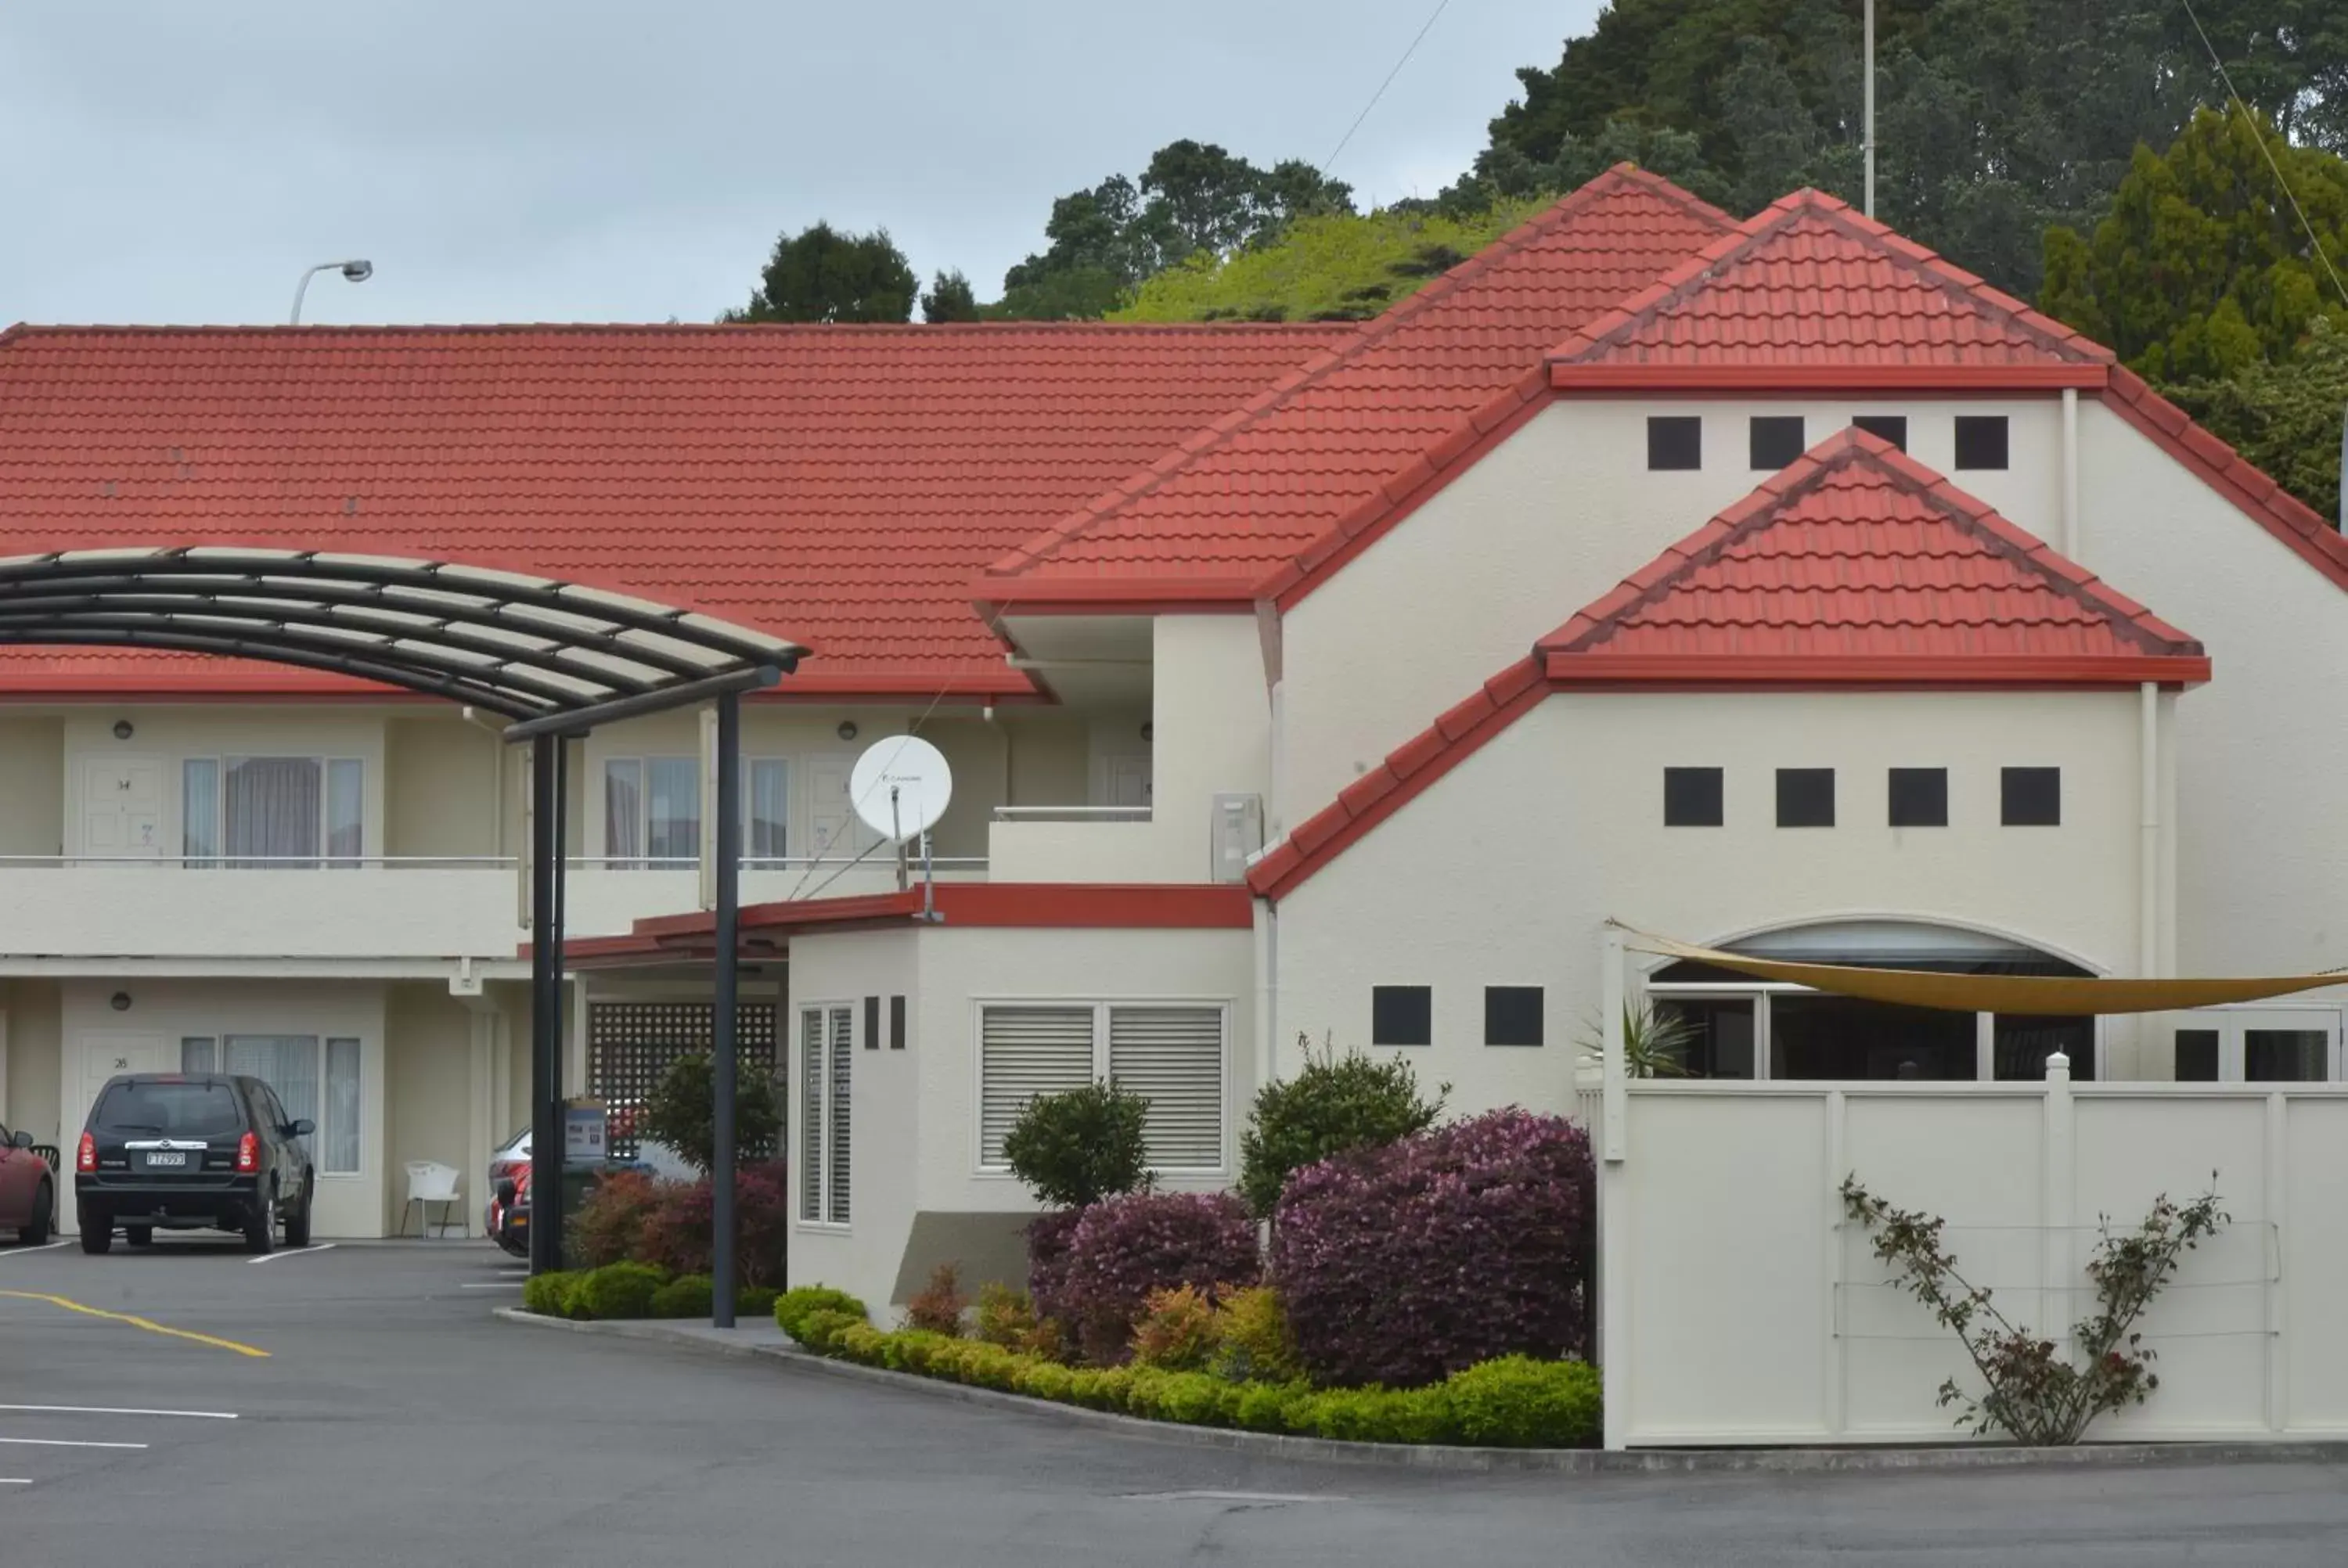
499 1285
20 1250
118 1411
15 1480
293 1252
66 1443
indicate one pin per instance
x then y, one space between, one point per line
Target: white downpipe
1267 992
2148 902
1615 1327
2071 472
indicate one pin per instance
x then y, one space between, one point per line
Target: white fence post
1614 1238
2059 1258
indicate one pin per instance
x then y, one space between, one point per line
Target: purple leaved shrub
1122 1248
1047 1259
1403 1264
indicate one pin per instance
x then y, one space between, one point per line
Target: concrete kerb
763 1342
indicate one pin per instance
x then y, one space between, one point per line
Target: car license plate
157 1158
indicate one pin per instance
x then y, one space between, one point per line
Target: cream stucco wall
1554 517
1503 872
32 785
919 1195
32 1034
442 780
145 1037
430 1095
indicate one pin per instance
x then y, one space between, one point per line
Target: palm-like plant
1654 1043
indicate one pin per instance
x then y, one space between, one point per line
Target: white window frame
1221 1006
642 762
223 857
2233 1020
1759 993
829 1010
322 1042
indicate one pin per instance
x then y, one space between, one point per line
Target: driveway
393 1420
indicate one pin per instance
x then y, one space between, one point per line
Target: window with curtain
623 812
346 812
673 810
272 812
652 812
199 1054
766 809
317 1081
199 810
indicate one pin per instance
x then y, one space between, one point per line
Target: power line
1441 6
2313 239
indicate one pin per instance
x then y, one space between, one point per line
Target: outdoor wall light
1149 732
119 1001
122 730
847 729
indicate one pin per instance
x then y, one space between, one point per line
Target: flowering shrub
610 1224
1176 1329
677 1232
1403 1263
938 1306
1047 1260
1123 1248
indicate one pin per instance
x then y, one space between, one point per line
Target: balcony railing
1072 813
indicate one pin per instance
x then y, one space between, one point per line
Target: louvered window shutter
842 1057
1173 1057
811 1114
1024 1051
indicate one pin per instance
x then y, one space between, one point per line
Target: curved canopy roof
526 647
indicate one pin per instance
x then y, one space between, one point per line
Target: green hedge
1513 1402
625 1290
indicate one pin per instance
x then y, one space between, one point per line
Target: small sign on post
584 1123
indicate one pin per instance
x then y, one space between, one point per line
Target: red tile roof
1857 564
844 483
1333 446
1808 290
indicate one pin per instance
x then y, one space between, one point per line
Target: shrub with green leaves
792 1308
688 1296
1076 1148
1338 1099
618 1290
1176 1330
938 1306
681 1112
1516 1401
1251 1339
549 1294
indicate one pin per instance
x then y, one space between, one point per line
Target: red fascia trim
1123 593
1795 670
1032 905
1976 379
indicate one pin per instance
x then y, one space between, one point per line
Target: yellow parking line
151 1326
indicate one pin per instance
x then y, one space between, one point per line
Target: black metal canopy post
725 1061
546 1004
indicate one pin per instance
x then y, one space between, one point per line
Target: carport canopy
530 648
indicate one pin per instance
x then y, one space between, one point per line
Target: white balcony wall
116 911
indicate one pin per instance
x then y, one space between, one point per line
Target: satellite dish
900 787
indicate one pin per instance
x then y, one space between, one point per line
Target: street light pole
1870 114
356 271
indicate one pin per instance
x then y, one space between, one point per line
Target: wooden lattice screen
631 1044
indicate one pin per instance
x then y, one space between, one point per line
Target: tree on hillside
2284 417
949 298
2289 59
2202 267
824 274
1192 199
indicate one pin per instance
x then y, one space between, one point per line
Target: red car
29 1190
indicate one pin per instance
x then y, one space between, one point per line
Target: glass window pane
288 1063
345 810
1715 1034
199 810
2197 1056
766 808
341 1122
2285 1055
1813 1036
271 814
672 789
623 811
197 1054
2023 1044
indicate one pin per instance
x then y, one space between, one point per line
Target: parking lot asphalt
387 1419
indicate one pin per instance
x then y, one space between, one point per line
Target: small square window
1920 797
871 1023
1675 441
1692 797
1512 1015
1402 1015
1776 440
1981 440
2197 1056
1891 428
2031 797
1806 797
896 1023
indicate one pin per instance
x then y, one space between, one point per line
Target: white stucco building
1771 581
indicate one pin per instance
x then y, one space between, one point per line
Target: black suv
190 1152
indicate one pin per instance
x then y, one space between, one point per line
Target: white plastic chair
429 1183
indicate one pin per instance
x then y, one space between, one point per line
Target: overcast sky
182 160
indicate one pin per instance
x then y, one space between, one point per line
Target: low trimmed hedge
1512 1401
633 1290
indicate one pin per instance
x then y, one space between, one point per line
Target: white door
834 830
1125 780
122 807
102 1056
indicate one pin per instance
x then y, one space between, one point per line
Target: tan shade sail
1994 993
